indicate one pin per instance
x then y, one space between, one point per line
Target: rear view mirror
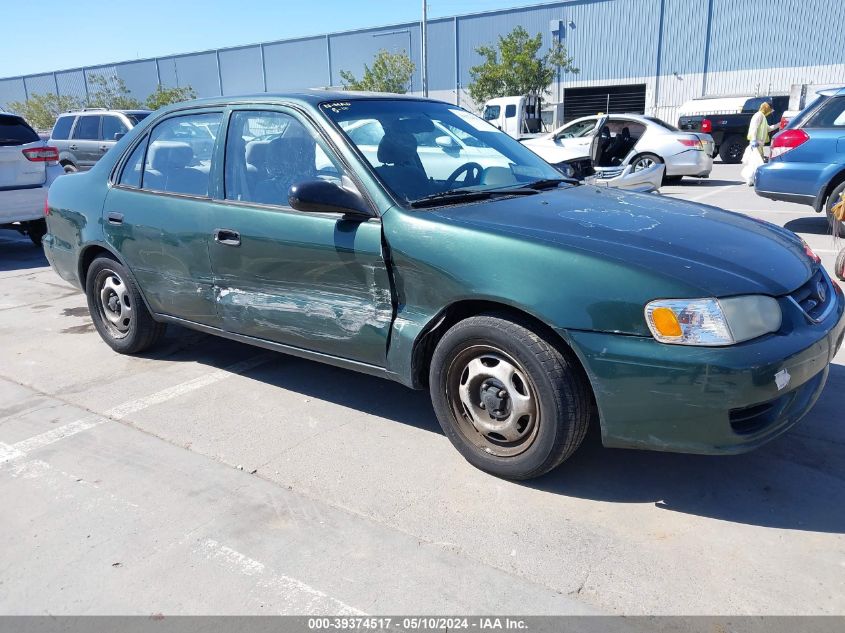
322 196
119 135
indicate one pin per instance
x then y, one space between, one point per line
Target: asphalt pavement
213 477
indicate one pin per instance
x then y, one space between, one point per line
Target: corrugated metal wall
679 48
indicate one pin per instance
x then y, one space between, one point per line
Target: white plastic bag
751 160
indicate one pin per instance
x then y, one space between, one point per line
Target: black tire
129 327
70 168
36 229
732 149
645 160
839 267
832 199
542 374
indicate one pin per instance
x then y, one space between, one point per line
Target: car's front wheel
117 309
511 402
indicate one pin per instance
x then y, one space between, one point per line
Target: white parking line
20 449
713 192
302 598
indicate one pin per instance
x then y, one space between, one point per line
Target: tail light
46 207
706 126
691 142
787 141
42 154
783 122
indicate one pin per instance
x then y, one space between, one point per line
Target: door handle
115 218
227 237
104 148
73 147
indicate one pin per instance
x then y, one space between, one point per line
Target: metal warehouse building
634 55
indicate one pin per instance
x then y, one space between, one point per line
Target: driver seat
401 168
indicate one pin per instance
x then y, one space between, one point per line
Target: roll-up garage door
578 102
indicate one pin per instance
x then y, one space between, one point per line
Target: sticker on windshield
479 124
336 106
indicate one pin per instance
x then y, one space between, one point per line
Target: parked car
727 119
632 139
807 163
521 300
28 166
84 136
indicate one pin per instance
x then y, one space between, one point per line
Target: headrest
256 152
626 133
291 153
169 155
397 148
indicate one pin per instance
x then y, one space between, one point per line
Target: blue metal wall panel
71 83
683 38
240 69
11 90
776 33
351 51
140 77
40 84
296 65
199 71
441 55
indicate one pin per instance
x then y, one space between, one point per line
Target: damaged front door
314 281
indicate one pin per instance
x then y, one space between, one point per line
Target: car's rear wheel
832 200
510 402
117 309
36 229
732 149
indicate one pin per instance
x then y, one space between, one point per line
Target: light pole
424 34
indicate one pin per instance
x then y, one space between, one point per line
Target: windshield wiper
549 183
464 195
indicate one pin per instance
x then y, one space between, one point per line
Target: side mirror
445 142
322 196
119 135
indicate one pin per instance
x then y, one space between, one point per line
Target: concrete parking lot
213 477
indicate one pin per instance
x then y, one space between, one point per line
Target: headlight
712 321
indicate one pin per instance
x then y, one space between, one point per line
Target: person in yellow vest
758 130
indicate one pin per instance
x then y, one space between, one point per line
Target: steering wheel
473 175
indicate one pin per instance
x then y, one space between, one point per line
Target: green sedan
409 239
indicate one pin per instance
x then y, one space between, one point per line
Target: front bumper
642 181
708 400
689 163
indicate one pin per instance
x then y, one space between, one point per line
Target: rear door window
87 128
61 131
180 154
830 115
15 131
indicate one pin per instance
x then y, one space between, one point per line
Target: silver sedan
628 140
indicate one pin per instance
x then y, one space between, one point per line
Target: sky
90 32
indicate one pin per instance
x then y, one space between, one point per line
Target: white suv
28 166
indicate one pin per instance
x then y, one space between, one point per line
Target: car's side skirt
319 357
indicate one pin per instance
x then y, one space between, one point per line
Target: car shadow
794 482
704 182
812 225
17 252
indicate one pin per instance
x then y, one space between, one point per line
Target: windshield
137 117
662 123
422 148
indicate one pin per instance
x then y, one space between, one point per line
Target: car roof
832 92
103 110
310 97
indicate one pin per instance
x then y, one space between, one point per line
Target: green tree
41 110
109 91
513 67
391 72
165 96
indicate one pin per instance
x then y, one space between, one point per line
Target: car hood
711 251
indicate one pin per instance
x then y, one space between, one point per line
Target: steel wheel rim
493 400
735 151
114 303
644 163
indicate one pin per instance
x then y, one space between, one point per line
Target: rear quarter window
15 131
830 115
61 131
